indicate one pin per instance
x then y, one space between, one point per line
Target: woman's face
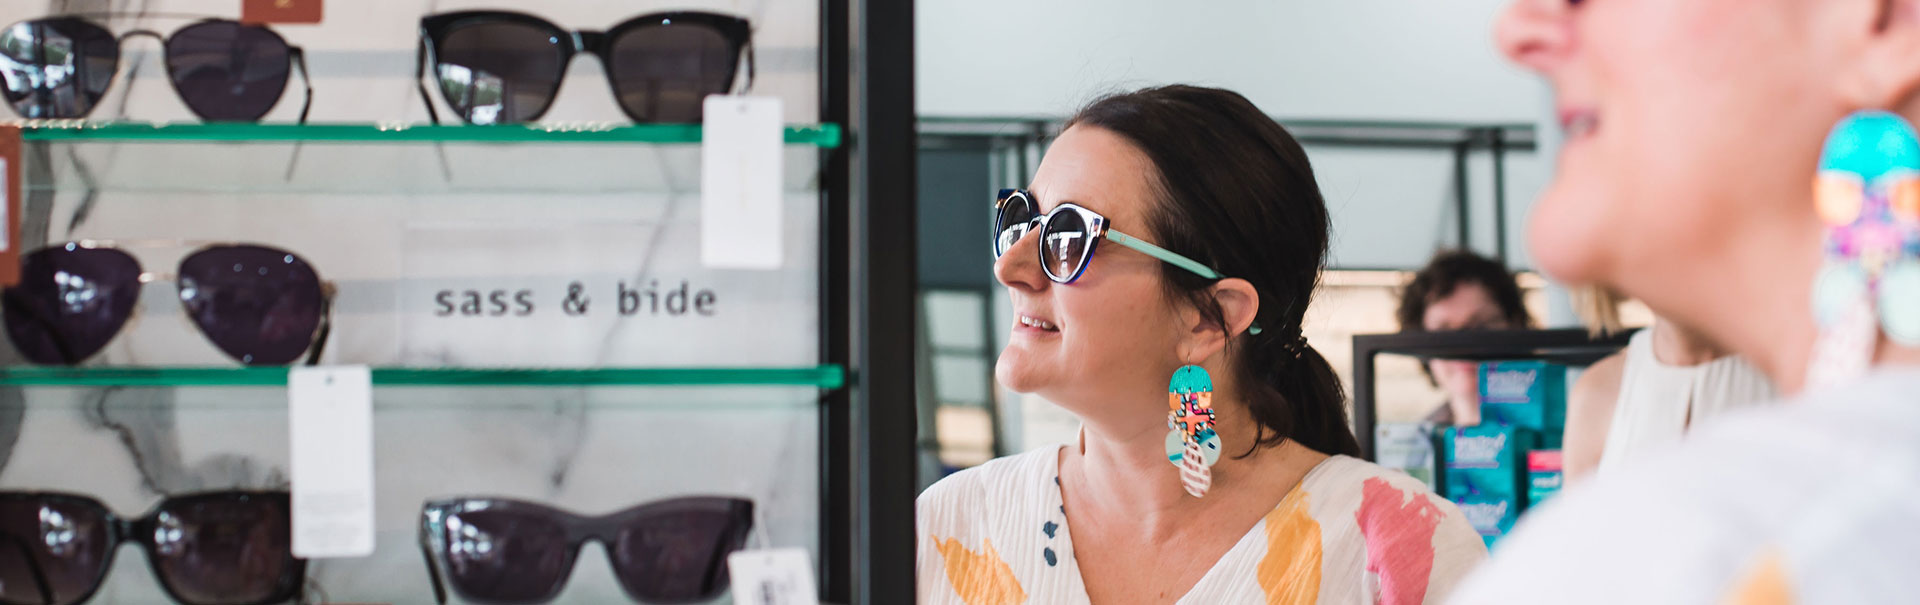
1467 307
1110 337
1685 121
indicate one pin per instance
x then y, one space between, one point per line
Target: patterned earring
1192 444
1868 194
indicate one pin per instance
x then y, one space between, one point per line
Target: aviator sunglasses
260 305
225 71
1068 236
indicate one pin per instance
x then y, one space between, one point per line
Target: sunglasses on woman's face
260 305
225 71
501 67
1068 236
495 550
218 548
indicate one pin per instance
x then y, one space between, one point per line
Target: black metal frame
870 305
1570 346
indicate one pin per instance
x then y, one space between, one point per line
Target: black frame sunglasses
501 550
505 67
260 305
60 67
213 548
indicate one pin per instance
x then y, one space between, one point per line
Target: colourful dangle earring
1192 444
1868 195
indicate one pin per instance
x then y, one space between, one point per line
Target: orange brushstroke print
1398 526
1765 584
980 578
1290 573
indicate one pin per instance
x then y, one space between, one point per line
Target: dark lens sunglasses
1068 235
501 67
216 548
260 305
225 71
495 550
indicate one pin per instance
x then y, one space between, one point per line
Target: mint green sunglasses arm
1162 254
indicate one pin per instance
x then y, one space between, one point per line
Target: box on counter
1486 460
1530 394
1406 447
1492 517
1544 475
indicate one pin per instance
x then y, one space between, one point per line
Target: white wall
1297 59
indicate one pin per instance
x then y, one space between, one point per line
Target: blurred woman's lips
1578 123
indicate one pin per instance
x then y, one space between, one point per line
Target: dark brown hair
1451 269
1237 194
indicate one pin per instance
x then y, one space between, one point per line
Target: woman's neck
1122 472
1677 345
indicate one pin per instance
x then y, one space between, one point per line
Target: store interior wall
393 225
1362 60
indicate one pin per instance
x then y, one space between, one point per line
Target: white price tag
777 576
740 177
330 410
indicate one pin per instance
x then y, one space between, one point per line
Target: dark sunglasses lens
70 302
56 68
679 556
1010 223
52 550
1064 245
498 72
226 549
260 305
507 556
228 72
664 72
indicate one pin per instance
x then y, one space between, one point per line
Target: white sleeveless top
1352 533
1658 402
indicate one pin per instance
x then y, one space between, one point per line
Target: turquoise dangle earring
1192 443
1868 195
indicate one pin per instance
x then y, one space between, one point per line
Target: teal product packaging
1486 460
1492 517
1543 475
1529 394
1405 447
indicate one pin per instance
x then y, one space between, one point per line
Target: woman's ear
1886 74
1239 303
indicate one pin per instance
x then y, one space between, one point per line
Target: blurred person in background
1460 290
1667 380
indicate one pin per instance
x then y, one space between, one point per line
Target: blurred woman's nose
1019 267
1536 34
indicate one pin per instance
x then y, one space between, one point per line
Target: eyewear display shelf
855 157
1572 347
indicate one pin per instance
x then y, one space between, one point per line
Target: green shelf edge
820 135
824 377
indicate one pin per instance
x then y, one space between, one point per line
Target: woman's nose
1536 34
1019 267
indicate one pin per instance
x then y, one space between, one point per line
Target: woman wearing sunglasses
1160 265
1746 168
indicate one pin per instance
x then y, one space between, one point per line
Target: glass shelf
824 377
818 135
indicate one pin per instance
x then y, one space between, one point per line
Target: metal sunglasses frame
322 331
296 57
